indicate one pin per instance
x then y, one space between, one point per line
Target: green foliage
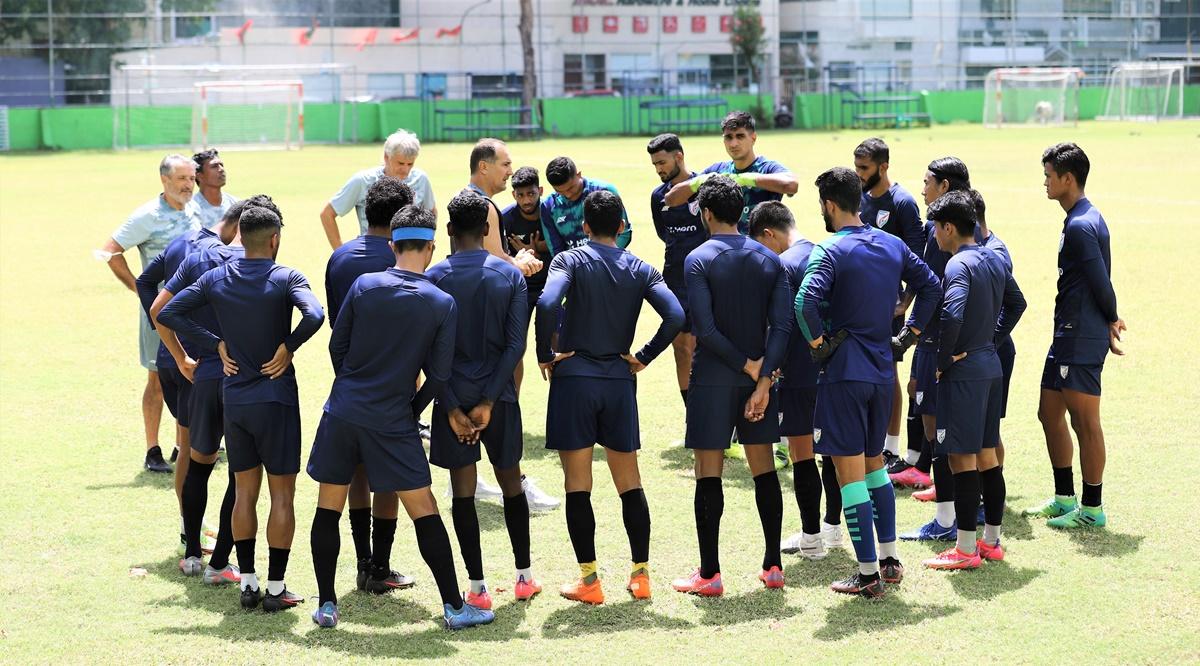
747 37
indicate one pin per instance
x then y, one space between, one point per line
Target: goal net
262 114
249 105
1031 96
1144 91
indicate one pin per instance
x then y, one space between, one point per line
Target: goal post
261 114
1031 96
1144 91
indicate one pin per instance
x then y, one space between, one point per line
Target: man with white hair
400 152
150 229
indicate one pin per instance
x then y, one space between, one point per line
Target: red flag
304 35
579 24
367 38
611 24
241 32
405 35
641 24
670 24
699 24
449 32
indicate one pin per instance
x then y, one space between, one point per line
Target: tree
529 78
746 37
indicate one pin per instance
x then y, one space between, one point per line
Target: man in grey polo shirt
400 152
150 228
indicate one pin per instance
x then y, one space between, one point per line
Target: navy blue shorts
503 438
177 391
851 418
392 461
968 417
714 412
267 434
1082 378
1007 352
925 372
796 408
208 416
583 411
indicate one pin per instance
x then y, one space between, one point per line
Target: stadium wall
91 127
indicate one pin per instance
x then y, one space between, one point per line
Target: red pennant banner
641 24
241 32
304 35
366 39
449 32
405 35
670 24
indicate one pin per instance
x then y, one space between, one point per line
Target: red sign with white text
699 23
726 24
579 24
641 24
611 24
670 24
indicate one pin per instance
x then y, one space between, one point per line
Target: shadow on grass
677 458
142 479
749 607
992 579
857 615
1104 543
736 473
582 619
818 573
535 447
1016 526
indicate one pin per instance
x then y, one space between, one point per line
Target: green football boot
1082 516
1059 505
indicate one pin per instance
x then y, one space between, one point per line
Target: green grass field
79 514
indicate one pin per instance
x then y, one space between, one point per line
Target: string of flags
365 37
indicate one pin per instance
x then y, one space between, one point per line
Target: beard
828 221
671 176
871 182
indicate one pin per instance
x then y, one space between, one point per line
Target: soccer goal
1031 96
260 114
1144 91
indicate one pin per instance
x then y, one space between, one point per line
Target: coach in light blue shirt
400 152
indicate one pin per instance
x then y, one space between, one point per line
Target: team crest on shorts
816 434
941 435
881 218
920 397
1063 370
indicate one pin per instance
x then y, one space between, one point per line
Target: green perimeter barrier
91 127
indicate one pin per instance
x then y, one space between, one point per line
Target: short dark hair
560 170
980 206
723 198
1067 158
737 120
873 149
484 150
841 186
468 213
602 210
201 158
412 216
955 207
526 176
953 170
770 215
668 142
257 225
234 214
386 196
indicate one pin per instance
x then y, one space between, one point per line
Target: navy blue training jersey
993 243
493 319
604 287
1086 303
936 260
850 284
799 370
208 365
161 268
365 254
977 287
516 225
896 212
751 196
253 301
740 308
393 324
680 229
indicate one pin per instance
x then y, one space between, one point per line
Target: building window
885 9
584 71
495 85
385 86
634 73
904 46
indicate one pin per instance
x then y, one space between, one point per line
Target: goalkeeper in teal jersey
562 212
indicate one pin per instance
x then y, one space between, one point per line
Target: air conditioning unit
1150 9
1127 8
1150 31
